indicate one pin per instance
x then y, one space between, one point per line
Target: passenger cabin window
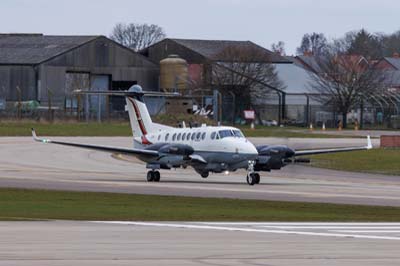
159 137
178 137
188 136
225 133
203 136
198 136
193 136
174 137
166 137
183 136
213 135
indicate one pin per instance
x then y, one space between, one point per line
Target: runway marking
254 230
367 231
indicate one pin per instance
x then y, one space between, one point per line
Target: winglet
369 143
35 137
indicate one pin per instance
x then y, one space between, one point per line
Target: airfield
28 164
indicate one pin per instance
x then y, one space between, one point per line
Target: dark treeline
360 42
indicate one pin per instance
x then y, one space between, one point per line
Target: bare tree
137 36
278 48
344 81
244 71
315 43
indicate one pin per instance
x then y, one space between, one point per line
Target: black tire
250 179
257 178
204 175
156 176
150 176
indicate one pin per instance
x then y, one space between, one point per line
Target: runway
137 243
28 164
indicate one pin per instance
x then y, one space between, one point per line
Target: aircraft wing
122 150
320 151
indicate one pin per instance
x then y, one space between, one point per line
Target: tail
139 116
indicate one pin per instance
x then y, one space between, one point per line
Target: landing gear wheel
257 178
204 175
156 176
150 176
251 179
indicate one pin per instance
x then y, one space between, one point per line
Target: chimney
307 53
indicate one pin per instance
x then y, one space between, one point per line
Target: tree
391 44
363 43
344 82
278 48
137 36
242 70
315 43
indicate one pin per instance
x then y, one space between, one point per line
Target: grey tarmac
27 164
62 243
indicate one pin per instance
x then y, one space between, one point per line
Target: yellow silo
173 74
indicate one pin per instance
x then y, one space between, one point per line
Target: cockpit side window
225 133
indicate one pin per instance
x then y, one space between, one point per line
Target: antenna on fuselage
183 124
190 125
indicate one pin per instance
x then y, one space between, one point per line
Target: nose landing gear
252 177
153 176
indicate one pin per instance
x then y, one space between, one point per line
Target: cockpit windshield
238 133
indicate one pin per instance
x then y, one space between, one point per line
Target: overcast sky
261 21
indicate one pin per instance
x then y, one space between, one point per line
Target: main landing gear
153 176
252 177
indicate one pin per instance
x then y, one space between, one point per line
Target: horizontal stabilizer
127 93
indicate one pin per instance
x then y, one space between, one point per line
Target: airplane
214 149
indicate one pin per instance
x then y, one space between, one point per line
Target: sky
261 21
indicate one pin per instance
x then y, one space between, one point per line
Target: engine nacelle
275 150
176 149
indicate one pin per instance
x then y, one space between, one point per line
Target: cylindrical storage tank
173 74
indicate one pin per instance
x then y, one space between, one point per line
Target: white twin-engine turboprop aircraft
206 148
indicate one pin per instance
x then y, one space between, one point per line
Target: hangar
31 65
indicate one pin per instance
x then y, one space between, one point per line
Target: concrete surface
274 244
28 164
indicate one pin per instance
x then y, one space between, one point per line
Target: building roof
213 49
31 49
394 61
295 78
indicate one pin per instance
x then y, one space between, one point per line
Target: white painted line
241 229
331 227
301 223
366 231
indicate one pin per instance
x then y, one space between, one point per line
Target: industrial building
37 67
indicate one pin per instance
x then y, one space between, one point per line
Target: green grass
285 132
18 204
377 161
22 128
65 129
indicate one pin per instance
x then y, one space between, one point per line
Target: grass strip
21 204
376 161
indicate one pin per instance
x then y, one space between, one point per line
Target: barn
43 68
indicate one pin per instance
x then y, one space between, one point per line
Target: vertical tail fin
139 116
